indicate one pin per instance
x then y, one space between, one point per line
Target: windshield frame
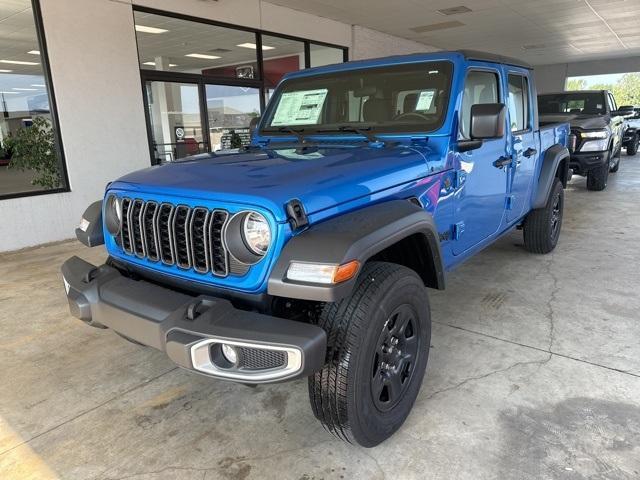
320 129
579 95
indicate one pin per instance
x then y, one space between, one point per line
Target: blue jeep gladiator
308 252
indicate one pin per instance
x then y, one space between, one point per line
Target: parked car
598 126
307 253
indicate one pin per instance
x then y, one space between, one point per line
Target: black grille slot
163 230
218 252
148 231
259 359
181 236
125 233
135 227
190 238
199 239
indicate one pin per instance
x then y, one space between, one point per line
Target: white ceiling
538 31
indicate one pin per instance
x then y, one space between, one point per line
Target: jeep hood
320 177
576 120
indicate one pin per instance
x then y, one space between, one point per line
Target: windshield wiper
297 133
364 131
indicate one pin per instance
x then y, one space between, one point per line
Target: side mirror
487 122
624 111
253 125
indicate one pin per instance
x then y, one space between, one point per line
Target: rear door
524 141
480 198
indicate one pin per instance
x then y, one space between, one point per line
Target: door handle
529 152
502 162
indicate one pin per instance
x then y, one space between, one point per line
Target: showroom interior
533 370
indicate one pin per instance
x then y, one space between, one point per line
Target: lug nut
394 341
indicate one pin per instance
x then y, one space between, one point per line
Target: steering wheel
411 114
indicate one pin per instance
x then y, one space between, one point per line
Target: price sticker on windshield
299 108
425 100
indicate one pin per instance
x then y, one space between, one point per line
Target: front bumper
582 162
192 330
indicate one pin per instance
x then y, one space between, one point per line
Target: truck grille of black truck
189 238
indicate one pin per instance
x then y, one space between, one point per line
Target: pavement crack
550 315
494 372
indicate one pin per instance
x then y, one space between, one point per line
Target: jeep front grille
190 238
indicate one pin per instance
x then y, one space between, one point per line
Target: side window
518 103
610 102
613 102
479 87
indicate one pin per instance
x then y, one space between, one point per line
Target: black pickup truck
597 125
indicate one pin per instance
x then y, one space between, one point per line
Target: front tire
614 168
632 149
597 177
378 347
541 228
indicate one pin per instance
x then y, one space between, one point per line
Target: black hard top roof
493 57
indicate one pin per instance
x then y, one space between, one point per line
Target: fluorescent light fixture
34 52
19 62
9 93
145 29
202 55
254 46
25 89
4 70
37 85
153 64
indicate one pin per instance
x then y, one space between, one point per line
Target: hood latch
296 214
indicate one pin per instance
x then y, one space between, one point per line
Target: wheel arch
555 164
397 231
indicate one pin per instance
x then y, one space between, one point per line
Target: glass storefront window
30 154
280 56
176 124
321 55
177 45
230 110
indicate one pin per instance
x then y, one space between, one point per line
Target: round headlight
113 215
256 233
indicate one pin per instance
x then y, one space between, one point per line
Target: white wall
552 77
96 79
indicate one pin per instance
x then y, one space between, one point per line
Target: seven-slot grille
190 238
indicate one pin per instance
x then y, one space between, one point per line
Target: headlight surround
248 236
113 214
256 233
594 141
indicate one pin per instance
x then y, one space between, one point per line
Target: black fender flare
356 235
90 230
550 164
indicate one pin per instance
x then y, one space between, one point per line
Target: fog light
229 353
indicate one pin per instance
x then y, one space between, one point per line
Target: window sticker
425 100
300 108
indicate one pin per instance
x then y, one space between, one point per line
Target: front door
480 198
524 148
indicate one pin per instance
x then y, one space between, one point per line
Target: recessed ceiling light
153 64
253 46
9 93
34 52
454 10
3 70
18 62
36 85
437 26
25 89
144 29
202 55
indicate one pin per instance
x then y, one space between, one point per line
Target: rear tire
597 177
377 350
541 228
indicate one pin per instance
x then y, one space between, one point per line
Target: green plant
33 148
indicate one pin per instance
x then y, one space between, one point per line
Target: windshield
578 102
401 98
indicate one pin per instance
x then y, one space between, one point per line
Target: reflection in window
176 45
29 157
321 55
230 110
280 56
